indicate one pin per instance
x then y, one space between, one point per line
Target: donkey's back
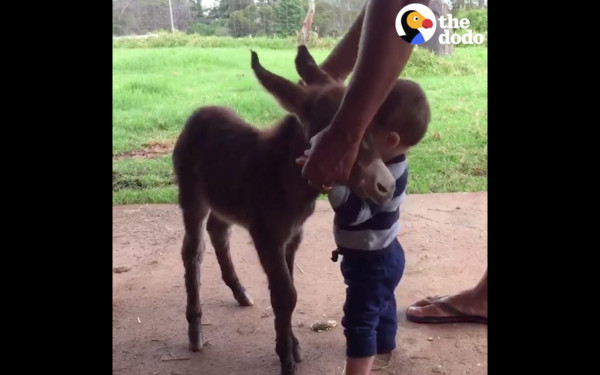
236 170
213 138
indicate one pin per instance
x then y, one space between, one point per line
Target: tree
244 22
196 8
439 8
143 16
182 13
287 16
307 24
226 7
336 16
468 4
265 19
323 18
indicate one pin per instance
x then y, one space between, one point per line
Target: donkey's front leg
283 295
290 254
192 252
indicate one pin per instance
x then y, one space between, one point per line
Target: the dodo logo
416 23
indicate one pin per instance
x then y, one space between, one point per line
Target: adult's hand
330 158
301 160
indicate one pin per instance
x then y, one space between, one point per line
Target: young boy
366 233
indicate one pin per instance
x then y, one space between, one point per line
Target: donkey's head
315 105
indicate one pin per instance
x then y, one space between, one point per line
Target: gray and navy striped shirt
360 224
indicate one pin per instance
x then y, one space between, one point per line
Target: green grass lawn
156 89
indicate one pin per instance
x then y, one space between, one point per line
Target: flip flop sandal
456 316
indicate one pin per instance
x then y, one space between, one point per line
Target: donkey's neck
288 141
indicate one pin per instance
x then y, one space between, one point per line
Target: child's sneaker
382 361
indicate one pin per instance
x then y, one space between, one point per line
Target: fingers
325 189
322 188
301 160
316 138
315 174
319 175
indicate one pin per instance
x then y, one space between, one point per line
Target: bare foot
358 366
469 306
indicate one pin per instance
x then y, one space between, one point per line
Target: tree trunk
439 8
304 36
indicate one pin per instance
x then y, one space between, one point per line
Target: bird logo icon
415 23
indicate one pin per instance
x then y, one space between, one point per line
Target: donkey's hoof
243 298
297 353
196 342
196 346
288 369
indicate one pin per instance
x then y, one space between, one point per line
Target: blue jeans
370 318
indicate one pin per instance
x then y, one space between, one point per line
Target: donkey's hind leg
219 232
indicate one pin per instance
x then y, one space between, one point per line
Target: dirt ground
445 239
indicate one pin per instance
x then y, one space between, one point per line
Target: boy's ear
392 139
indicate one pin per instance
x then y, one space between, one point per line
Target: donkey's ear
308 69
290 95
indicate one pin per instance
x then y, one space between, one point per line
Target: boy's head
402 120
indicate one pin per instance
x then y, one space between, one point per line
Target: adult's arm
382 55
